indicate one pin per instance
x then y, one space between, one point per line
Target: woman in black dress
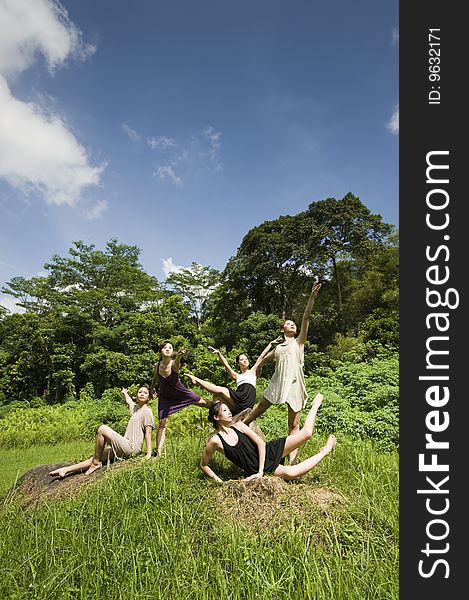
244 448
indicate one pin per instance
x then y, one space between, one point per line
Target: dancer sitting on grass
244 448
172 394
139 427
244 396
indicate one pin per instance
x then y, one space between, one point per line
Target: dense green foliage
361 402
94 322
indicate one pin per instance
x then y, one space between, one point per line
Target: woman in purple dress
173 395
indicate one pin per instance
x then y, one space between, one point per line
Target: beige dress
288 381
132 440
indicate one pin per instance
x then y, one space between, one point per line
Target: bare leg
218 390
64 471
104 435
257 411
290 472
204 403
160 435
81 466
219 398
299 437
293 427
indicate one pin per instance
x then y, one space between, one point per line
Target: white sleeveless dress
288 381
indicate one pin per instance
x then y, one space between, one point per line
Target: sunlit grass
156 531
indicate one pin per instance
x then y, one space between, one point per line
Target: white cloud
185 158
167 172
38 152
214 139
37 26
161 143
96 212
9 303
131 133
169 266
393 124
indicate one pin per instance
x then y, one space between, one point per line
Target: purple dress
173 395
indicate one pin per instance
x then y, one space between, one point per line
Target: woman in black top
244 448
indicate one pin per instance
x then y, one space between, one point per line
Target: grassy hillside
160 530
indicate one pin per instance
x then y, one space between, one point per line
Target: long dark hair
213 412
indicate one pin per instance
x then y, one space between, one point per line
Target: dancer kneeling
139 427
244 448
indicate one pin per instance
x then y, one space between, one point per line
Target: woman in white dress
288 382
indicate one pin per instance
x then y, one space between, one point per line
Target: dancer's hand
255 476
316 288
124 391
213 350
182 352
278 340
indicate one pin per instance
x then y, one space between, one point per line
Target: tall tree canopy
96 317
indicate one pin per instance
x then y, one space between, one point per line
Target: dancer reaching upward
139 427
244 396
244 448
173 395
288 383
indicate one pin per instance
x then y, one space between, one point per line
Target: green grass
158 530
15 462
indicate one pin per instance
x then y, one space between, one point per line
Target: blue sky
178 125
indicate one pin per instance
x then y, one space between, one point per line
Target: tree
74 313
195 284
266 274
333 230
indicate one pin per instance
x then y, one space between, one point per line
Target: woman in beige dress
288 382
139 429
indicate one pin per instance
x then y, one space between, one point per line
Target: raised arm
260 447
223 360
128 399
307 313
266 354
210 448
177 361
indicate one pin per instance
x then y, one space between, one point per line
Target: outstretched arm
267 354
223 360
307 313
210 448
177 361
128 399
260 446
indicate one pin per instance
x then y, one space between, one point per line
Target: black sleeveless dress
245 455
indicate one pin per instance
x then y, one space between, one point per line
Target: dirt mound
36 484
269 502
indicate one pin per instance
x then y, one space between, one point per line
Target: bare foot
317 401
331 442
93 468
191 377
58 473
